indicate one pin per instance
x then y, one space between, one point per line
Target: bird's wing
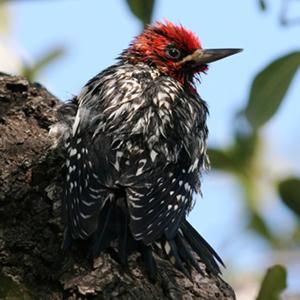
89 149
159 197
84 194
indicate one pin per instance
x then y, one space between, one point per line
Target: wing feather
158 199
84 194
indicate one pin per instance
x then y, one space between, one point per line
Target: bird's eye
173 53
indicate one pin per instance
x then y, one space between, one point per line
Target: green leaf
258 224
269 88
48 58
237 157
31 72
220 160
262 5
143 10
273 283
289 191
245 148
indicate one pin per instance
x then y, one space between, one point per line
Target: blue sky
95 32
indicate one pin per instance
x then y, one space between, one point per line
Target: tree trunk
33 265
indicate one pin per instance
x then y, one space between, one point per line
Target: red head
174 50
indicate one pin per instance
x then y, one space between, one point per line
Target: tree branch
32 263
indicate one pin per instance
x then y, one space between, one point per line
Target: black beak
205 56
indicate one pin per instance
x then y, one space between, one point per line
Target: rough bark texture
32 265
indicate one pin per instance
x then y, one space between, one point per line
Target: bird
135 141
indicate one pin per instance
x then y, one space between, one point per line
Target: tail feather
197 236
67 240
149 261
182 250
205 252
177 258
186 254
122 225
103 236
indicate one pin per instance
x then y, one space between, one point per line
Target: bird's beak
205 56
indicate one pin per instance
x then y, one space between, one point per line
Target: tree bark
32 263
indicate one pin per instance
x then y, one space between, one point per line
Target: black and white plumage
135 153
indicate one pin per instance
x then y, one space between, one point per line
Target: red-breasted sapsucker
135 139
